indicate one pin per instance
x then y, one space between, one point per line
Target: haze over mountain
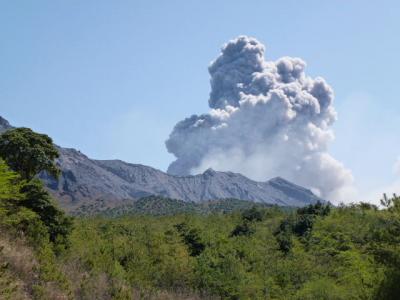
84 180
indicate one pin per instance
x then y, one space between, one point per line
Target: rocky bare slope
4 125
84 181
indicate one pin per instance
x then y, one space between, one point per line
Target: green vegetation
28 152
33 229
160 206
348 252
211 251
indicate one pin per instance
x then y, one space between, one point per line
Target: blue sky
112 78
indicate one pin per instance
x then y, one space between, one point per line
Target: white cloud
267 119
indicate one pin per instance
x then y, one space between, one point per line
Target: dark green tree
242 229
300 224
37 199
28 153
317 209
191 238
253 214
283 235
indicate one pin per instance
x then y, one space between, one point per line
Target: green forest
228 251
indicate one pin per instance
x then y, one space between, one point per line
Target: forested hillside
314 252
160 206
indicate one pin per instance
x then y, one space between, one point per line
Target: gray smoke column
267 119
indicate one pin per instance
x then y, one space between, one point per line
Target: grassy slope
23 271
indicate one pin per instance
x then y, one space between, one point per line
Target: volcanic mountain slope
4 125
84 180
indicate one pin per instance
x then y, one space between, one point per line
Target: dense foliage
219 252
348 252
345 252
28 152
23 155
161 206
29 216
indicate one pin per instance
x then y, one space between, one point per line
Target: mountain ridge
84 180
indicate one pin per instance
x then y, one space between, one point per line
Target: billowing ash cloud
267 119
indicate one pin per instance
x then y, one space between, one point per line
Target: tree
300 224
8 188
191 239
253 214
9 191
242 229
28 153
317 209
13 215
283 235
37 199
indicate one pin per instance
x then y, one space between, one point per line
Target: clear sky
112 78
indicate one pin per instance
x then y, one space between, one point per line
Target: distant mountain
86 181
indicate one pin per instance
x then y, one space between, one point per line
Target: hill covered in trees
160 206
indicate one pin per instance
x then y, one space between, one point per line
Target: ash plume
266 119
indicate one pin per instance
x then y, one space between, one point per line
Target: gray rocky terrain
84 180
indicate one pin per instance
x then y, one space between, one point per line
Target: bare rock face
4 125
84 181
